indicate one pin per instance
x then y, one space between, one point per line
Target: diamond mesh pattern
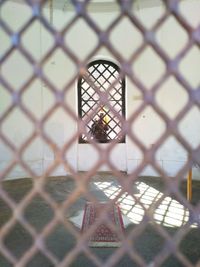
17 217
104 76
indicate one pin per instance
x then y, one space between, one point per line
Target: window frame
80 99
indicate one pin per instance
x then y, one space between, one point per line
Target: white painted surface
59 69
88 156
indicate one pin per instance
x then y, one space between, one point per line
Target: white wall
59 69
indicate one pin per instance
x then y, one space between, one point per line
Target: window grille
102 76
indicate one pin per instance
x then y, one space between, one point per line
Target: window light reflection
170 212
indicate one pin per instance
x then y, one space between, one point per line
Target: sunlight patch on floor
169 213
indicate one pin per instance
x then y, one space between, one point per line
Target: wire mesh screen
45 47
103 75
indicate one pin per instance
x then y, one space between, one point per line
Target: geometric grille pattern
81 181
102 76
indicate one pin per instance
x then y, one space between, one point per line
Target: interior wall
59 69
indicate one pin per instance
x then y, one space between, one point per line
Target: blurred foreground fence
123 125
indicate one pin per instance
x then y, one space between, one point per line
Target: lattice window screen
104 77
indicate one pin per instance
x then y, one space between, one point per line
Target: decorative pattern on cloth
103 235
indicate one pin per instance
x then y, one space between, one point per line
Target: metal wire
149 39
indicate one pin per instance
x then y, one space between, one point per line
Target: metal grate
79 183
103 76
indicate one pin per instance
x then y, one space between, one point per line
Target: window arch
101 76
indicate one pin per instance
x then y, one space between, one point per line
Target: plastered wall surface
59 69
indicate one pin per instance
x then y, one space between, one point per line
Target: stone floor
171 215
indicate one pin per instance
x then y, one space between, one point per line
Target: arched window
101 77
